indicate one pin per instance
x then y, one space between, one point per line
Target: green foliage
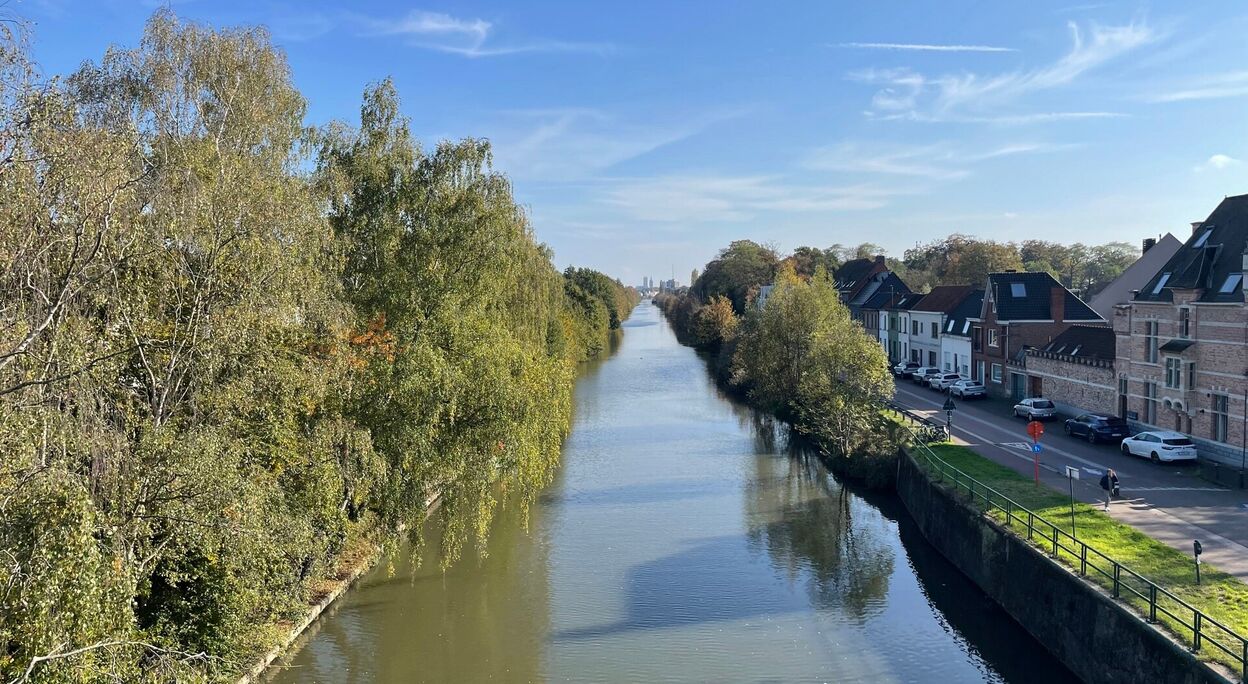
715 323
738 269
961 259
217 370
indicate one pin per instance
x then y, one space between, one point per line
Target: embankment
1096 637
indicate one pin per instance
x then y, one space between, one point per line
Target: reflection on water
686 538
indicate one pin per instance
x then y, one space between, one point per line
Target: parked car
1036 408
942 381
968 389
905 369
1163 446
920 375
1097 427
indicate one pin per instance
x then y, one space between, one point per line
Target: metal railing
1160 605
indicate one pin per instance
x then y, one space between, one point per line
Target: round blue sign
1035 448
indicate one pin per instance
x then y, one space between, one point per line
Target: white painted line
1178 489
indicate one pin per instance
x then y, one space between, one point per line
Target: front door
1037 386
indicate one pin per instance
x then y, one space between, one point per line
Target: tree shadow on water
706 582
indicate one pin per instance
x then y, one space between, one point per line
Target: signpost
1072 474
1035 428
949 408
1196 551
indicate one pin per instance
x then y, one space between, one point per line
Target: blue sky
643 136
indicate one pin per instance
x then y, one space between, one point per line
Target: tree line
234 347
953 260
801 356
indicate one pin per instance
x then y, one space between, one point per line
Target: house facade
1076 370
927 321
1182 339
955 341
857 279
1020 310
899 328
874 313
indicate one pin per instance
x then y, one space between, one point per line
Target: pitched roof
889 290
1135 276
853 275
1084 342
969 307
906 302
943 298
1027 296
1210 260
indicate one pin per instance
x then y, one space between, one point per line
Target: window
931 358
996 372
1173 374
1221 416
992 337
979 370
935 330
948 361
1018 290
966 326
1150 341
1204 237
1150 403
1185 323
1191 375
914 327
1161 282
1122 384
1232 282
949 328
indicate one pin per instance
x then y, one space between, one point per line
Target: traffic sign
1071 472
1035 448
949 405
1035 428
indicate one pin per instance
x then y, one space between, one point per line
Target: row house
897 317
874 311
1182 339
927 321
857 280
955 341
1020 311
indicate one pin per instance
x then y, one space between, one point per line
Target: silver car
1036 408
921 375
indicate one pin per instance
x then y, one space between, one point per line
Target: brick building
1076 370
1020 310
1182 340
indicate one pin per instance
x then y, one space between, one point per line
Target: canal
685 539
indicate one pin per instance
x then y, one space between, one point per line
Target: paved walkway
1169 503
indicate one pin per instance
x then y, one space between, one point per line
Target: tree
715 323
742 265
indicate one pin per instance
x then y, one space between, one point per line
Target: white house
927 321
955 338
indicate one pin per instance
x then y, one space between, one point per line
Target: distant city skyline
644 137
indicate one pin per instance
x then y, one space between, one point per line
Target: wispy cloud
576 144
1232 84
936 162
923 47
1218 162
717 199
465 37
975 98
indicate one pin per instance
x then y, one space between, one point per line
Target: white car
921 375
1160 446
943 381
965 389
1035 408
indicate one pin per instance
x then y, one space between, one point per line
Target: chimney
1196 226
879 259
1057 303
1149 243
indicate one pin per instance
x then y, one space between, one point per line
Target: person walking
1109 482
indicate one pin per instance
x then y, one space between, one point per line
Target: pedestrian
1109 482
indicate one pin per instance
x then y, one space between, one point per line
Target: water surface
685 539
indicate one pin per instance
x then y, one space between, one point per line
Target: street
1169 502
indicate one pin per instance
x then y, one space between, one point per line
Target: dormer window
1161 282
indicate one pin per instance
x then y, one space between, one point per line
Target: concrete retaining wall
1098 639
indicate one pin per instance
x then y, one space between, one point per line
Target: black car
1096 427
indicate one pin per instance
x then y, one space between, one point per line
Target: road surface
1169 502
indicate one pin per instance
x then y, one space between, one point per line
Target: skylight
1018 289
949 328
1204 237
1076 349
1161 282
1232 281
966 326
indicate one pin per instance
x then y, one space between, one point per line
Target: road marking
1178 489
1017 445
